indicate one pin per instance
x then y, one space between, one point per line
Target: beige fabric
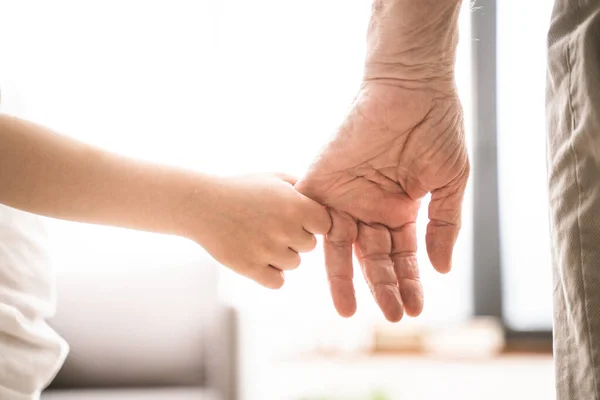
573 108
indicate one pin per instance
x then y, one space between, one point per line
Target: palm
395 147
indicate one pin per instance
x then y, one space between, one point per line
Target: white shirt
31 353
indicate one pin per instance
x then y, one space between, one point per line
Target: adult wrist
413 42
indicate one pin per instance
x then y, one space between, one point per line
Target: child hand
256 225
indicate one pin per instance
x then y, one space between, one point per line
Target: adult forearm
48 174
413 41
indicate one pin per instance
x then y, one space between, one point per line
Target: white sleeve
31 353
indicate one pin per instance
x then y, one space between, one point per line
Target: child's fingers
304 242
287 178
286 259
268 276
317 220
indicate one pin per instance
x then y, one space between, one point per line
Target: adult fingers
444 223
404 256
373 248
338 262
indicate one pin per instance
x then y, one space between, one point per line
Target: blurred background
235 87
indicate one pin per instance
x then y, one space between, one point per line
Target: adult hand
396 145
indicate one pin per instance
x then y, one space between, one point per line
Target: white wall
525 241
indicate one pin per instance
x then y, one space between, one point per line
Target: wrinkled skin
395 146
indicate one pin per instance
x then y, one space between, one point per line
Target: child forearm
254 225
52 175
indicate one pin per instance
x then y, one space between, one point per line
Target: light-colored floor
272 367
406 378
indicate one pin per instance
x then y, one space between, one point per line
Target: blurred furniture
152 332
